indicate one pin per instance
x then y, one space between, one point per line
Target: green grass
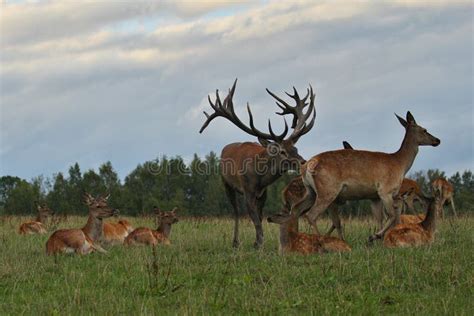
200 274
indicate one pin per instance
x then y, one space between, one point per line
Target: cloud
90 92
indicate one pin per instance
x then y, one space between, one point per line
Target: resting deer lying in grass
84 240
115 233
416 234
38 225
291 240
336 176
445 190
161 235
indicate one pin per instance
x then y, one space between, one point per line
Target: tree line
194 187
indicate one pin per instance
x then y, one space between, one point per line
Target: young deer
445 190
249 168
421 233
38 225
161 235
115 233
84 240
291 240
341 175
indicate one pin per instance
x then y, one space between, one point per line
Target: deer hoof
373 238
236 244
257 245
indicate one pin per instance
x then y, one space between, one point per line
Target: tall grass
200 273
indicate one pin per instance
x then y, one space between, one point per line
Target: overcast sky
91 81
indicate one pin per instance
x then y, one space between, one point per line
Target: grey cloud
386 59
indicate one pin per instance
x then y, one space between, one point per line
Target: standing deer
291 240
446 192
84 240
249 168
115 233
415 234
342 175
38 225
161 235
296 190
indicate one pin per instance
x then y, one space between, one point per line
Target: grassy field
200 274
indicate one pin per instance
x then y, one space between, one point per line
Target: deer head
98 207
278 146
420 134
45 211
168 217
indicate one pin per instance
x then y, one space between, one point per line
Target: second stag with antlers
249 168
341 175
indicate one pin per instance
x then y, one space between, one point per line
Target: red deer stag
446 192
415 234
115 233
291 240
249 168
84 240
38 225
341 175
161 235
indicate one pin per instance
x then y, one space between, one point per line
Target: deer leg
232 196
252 207
410 206
336 221
452 205
393 217
376 206
323 201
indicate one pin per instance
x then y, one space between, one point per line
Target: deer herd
325 182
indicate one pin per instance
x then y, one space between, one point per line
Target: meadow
200 274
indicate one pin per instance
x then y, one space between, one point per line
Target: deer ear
410 118
402 121
38 207
347 145
88 198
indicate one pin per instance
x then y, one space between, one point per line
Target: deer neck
286 231
429 223
408 150
164 229
93 228
40 218
270 168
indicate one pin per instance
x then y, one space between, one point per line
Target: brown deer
291 240
296 190
446 192
38 225
85 240
415 234
115 233
342 175
249 168
161 235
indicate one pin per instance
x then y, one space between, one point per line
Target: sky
127 81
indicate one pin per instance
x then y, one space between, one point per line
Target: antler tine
302 128
226 109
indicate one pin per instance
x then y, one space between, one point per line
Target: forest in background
194 187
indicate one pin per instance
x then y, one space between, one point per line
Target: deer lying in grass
38 225
291 240
161 235
336 176
445 190
115 233
85 240
415 234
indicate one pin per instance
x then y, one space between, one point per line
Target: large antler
226 110
299 125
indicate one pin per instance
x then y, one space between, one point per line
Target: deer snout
436 142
